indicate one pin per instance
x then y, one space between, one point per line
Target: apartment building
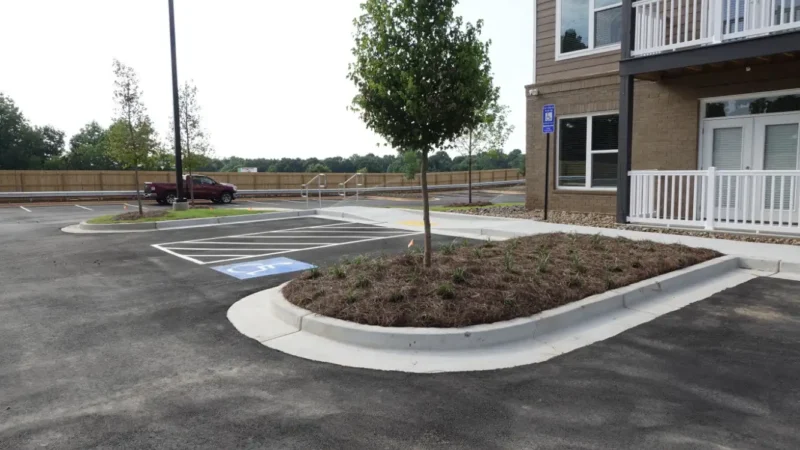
669 112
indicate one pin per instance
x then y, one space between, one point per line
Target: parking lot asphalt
76 211
108 342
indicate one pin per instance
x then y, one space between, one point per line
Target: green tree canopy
422 76
89 150
318 168
23 146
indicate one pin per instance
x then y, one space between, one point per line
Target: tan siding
549 70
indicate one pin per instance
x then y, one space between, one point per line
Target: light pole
180 202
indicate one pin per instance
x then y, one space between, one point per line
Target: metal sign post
548 127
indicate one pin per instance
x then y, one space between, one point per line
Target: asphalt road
108 342
76 211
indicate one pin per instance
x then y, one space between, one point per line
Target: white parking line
251 243
199 249
136 206
236 247
178 254
312 248
83 207
250 234
319 236
26 209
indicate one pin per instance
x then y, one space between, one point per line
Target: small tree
489 131
196 148
131 140
421 73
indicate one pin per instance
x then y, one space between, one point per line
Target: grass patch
485 283
160 216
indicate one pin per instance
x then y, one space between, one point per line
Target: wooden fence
112 180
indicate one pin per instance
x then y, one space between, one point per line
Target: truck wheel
226 197
171 198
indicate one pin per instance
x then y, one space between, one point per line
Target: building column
625 116
625 140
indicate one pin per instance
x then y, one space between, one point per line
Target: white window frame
592 50
589 152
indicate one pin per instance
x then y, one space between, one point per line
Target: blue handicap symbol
263 268
548 119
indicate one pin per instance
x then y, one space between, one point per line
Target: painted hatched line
248 234
304 249
237 247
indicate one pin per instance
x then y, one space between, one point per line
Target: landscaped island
162 215
481 283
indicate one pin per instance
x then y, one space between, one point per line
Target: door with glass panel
776 150
728 146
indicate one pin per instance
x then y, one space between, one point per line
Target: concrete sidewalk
463 225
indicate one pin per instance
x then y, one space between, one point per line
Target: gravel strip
608 221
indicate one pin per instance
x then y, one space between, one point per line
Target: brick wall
665 128
574 97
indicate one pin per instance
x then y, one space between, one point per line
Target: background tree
23 146
489 130
318 168
196 147
131 136
421 75
89 150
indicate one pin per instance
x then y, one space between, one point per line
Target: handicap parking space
282 241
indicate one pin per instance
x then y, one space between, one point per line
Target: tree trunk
426 212
138 194
191 178
189 159
469 168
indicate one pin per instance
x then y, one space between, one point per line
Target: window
756 105
587 151
585 25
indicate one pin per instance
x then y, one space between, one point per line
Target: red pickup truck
204 188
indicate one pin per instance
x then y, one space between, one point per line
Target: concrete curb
189 223
481 336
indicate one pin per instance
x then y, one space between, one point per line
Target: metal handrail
322 181
343 186
374 189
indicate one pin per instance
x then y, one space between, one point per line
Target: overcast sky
271 74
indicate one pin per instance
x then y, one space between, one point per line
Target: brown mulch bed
486 282
134 215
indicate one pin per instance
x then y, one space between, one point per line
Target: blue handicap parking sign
263 268
548 119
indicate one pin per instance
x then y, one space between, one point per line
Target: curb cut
189 223
488 335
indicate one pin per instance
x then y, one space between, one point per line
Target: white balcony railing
664 25
748 200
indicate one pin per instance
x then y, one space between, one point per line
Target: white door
776 147
728 146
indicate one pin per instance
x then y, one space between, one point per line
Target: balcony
667 25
